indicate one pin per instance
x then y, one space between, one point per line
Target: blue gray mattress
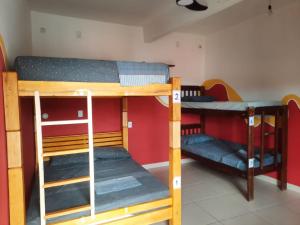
86 70
224 152
119 182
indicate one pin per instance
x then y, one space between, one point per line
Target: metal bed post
284 148
175 151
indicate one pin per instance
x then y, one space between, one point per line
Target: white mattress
228 105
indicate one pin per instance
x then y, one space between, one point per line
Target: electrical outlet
130 124
80 113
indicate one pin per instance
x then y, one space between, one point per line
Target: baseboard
274 181
165 164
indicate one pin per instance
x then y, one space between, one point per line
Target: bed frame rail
189 129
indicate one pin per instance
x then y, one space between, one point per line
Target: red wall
234 128
3 157
148 139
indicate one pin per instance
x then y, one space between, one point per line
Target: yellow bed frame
146 213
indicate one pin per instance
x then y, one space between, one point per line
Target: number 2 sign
176 96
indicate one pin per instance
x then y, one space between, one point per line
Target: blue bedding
225 152
62 69
87 70
111 193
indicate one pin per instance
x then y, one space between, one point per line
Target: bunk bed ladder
41 155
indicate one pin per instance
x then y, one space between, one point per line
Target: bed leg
284 149
14 150
250 188
250 155
175 152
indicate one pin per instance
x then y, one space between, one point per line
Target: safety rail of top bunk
192 90
76 89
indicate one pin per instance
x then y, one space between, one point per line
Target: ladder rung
63 122
66 182
65 152
67 211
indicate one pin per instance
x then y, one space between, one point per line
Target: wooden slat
81 137
146 218
69 211
16 196
66 152
117 213
14 155
71 147
11 101
69 89
83 141
66 182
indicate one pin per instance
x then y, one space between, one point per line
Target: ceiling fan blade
196 6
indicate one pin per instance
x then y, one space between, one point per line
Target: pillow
198 99
195 139
111 153
69 159
99 153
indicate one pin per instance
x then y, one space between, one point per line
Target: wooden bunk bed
253 162
145 213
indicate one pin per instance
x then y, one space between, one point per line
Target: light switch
45 116
130 124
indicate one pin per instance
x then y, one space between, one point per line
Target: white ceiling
235 14
129 12
159 17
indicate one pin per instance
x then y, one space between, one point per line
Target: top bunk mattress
87 70
230 105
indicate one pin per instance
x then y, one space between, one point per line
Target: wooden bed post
250 155
175 151
14 149
284 148
125 122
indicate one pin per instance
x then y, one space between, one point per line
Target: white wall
15 27
117 42
260 58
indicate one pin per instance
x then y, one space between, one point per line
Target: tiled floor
213 198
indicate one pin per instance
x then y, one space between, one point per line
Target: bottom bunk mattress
224 152
119 182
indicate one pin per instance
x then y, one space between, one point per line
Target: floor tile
194 215
224 207
198 191
209 195
247 219
294 206
279 215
